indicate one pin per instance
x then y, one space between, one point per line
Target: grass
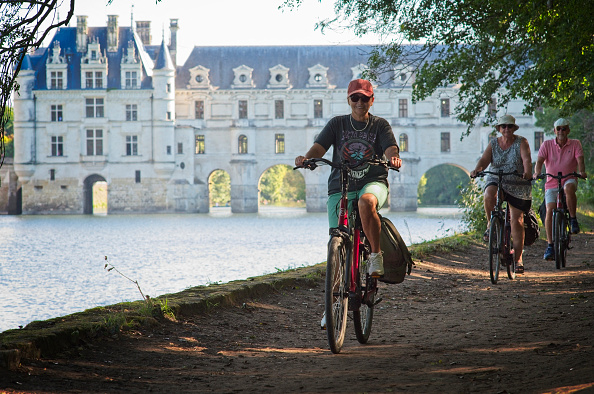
443 245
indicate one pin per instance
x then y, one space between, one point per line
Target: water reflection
53 265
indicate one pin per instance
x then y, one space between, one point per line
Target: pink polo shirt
559 159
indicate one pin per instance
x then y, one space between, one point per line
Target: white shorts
551 194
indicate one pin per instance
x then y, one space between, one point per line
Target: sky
221 22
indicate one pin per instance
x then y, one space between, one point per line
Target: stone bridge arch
88 192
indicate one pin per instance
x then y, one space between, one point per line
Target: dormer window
279 77
56 68
93 67
199 78
243 77
357 71
130 69
318 77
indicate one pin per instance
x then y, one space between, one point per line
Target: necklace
353 126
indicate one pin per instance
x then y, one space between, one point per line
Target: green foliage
280 185
538 51
471 199
440 185
219 188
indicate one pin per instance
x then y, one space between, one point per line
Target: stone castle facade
101 104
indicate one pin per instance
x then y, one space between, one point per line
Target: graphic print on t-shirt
354 151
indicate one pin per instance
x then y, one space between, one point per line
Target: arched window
403 142
242 144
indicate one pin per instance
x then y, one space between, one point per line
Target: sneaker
323 322
519 268
549 253
575 226
376 264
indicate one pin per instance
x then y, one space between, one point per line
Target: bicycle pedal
377 301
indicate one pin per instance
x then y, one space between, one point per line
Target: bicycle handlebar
558 176
481 174
313 163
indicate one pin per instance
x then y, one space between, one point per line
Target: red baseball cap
362 86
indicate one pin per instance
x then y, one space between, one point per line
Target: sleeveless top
509 160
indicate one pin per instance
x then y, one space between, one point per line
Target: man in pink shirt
560 155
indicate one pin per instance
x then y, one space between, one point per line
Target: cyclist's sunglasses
561 128
507 126
357 97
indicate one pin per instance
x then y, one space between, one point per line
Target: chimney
81 33
143 28
173 28
112 33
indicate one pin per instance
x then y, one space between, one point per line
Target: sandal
486 235
519 268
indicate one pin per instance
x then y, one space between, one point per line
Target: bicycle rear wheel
336 295
494 249
565 234
366 288
558 238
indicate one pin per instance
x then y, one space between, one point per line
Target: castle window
318 109
94 107
131 112
445 142
137 176
279 109
56 113
180 148
279 143
445 108
131 145
200 144
57 144
403 142
538 139
242 145
403 108
52 174
492 106
243 109
94 142
56 80
94 80
131 79
199 109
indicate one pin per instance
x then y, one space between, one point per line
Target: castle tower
81 33
173 28
25 120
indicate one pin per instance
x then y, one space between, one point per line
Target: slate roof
67 38
221 60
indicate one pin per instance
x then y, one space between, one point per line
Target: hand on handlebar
395 162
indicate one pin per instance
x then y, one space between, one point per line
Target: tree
280 184
219 188
24 25
535 50
441 185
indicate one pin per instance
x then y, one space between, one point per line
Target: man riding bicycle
560 155
358 136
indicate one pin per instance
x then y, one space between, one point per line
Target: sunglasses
561 128
357 97
507 126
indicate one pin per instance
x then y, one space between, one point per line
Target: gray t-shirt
355 141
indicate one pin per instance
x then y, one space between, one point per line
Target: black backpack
397 259
531 229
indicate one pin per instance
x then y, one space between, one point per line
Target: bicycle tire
565 234
557 240
336 295
495 244
363 317
511 260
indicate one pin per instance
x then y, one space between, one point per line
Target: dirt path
445 329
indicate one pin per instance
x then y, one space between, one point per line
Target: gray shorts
551 194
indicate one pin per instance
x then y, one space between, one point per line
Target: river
53 265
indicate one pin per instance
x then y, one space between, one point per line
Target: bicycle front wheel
508 254
366 289
495 244
564 244
558 238
336 296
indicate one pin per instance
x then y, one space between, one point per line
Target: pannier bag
531 229
397 259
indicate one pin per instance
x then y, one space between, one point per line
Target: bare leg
370 220
517 232
489 201
549 221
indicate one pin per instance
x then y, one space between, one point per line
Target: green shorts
378 189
